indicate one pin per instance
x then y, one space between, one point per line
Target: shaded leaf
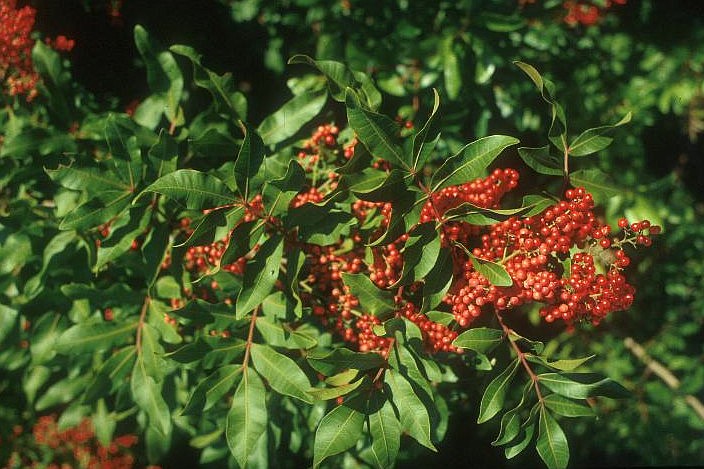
415 419
552 442
260 276
494 272
377 132
249 159
193 189
471 161
479 339
420 254
281 372
340 359
495 394
210 390
84 338
289 118
338 431
146 392
582 385
595 181
593 140
567 407
385 431
247 419
371 299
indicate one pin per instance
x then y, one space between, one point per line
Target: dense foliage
416 234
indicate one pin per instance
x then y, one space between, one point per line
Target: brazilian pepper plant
323 283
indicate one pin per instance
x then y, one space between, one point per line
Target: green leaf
90 179
421 148
61 392
471 161
557 133
96 211
163 155
339 78
213 143
501 23
476 215
561 365
280 335
541 160
525 435
324 394
8 322
377 132
511 420
279 193
146 392
420 254
495 273
227 100
451 69
193 189
595 181
338 431
210 390
379 186
84 338
552 442
249 159
592 140
495 394
111 375
535 346
281 372
582 385
125 151
371 299
204 229
385 431
537 204
163 75
260 276
510 427
479 339
247 419
154 249
415 419
125 229
292 116
406 361
567 407
438 281
441 317
340 359
524 439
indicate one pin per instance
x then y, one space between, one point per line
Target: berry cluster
322 142
586 14
535 250
563 258
75 447
17 73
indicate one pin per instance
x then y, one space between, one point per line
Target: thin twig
140 326
663 373
521 356
250 336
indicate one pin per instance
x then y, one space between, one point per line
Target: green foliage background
644 57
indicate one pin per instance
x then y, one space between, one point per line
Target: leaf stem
250 336
140 326
522 357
